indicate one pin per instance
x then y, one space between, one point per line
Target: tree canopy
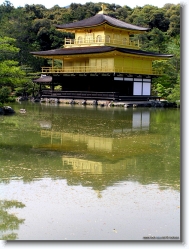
11 74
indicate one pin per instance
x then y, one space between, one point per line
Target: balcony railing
89 69
124 43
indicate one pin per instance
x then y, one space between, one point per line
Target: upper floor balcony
101 70
102 41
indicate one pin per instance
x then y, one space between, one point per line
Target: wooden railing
89 69
79 95
106 41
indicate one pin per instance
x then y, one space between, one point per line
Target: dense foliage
10 72
32 29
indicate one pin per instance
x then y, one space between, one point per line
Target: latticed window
89 37
80 39
108 38
124 41
99 38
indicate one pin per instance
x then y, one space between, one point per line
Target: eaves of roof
75 51
96 50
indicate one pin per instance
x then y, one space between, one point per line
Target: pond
71 172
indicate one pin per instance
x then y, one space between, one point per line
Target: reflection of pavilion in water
97 174
92 167
140 122
104 147
126 152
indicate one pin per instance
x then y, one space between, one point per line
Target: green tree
34 11
10 72
157 41
163 84
150 16
9 222
4 94
5 9
168 85
7 48
174 95
173 14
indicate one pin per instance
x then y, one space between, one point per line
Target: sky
62 3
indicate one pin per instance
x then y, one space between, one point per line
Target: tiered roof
100 19
95 50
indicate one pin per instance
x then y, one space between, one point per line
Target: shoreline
125 104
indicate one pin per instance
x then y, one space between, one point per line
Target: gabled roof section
97 50
98 20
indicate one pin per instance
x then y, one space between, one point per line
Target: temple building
104 61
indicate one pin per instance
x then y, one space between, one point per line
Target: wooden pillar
52 63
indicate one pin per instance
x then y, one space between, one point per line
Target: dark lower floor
94 86
93 83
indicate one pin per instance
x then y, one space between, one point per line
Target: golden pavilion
103 61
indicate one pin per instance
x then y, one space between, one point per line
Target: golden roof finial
103 11
103 7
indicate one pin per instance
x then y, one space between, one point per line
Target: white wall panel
128 79
137 89
118 78
146 88
146 80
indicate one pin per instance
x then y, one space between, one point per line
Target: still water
90 173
